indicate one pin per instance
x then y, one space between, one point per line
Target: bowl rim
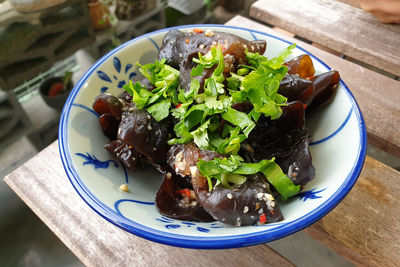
214 242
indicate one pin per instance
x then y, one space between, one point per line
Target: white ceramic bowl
338 152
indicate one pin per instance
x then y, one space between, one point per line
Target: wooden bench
377 96
338 26
364 228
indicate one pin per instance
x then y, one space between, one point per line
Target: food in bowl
222 123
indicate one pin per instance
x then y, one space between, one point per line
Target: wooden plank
378 96
367 221
43 185
341 27
355 3
365 227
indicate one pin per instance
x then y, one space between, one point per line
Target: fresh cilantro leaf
200 135
217 168
150 70
255 59
230 144
277 61
240 119
197 71
140 94
160 110
234 82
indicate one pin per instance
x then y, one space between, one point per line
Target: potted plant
99 13
55 91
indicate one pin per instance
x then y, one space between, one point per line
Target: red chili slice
263 218
185 192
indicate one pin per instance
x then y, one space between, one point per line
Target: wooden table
364 228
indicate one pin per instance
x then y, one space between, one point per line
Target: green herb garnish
198 115
234 167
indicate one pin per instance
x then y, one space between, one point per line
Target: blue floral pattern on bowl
120 81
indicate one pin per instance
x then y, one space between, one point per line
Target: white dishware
338 151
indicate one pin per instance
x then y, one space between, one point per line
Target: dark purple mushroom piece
109 125
109 109
325 86
301 65
147 136
179 203
106 103
179 48
276 138
126 154
298 164
250 203
296 88
182 158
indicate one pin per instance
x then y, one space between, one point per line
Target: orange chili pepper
187 40
198 31
177 106
185 192
263 218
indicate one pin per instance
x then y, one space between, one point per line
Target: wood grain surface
344 28
367 221
365 227
43 185
355 3
378 96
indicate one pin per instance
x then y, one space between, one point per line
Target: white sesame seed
124 188
260 195
119 131
180 166
209 33
229 195
148 116
179 156
131 109
149 127
201 46
261 211
180 55
269 197
245 209
252 47
168 175
193 170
